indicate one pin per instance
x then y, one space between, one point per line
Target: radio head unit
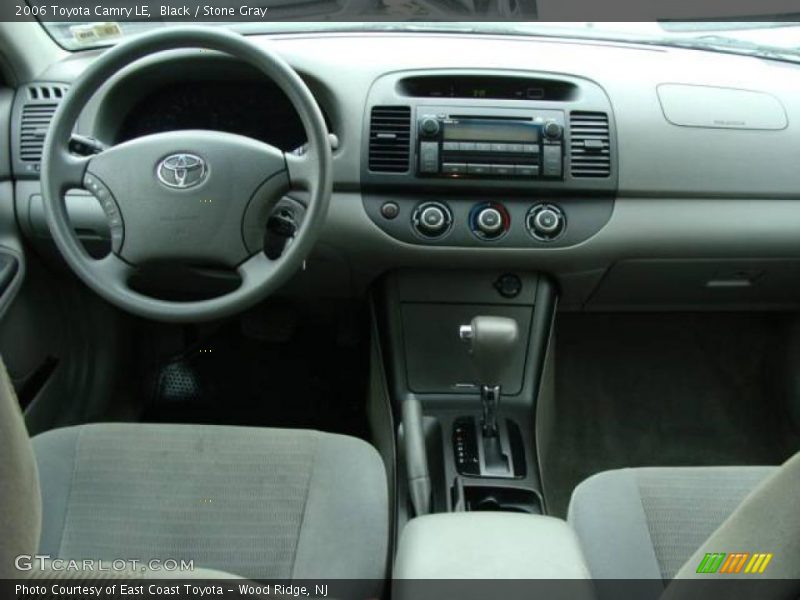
485 142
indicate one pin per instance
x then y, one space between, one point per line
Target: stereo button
429 157
479 169
450 146
467 146
454 168
499 147
502 170
551 161
526 170
530 148
515 148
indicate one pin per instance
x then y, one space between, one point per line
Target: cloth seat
645 523
253 502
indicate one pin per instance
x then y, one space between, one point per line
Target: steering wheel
191 196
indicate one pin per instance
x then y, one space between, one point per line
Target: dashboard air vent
590 144
389 139
46 92
35 121
37 112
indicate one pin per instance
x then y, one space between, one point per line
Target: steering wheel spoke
303 169
71 170
255 269
114 270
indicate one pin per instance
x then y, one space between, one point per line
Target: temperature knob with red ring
489 220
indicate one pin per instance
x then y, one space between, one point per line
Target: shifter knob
492 341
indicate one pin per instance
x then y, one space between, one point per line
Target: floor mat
311 381
662 389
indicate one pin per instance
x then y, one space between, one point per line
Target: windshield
776 39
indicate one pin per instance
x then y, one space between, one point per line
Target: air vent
39 106
46 92
35 121
389 139
590 144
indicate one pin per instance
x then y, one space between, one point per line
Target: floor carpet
663 389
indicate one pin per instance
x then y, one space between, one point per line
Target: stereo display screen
490 130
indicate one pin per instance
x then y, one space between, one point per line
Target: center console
488 159
465 352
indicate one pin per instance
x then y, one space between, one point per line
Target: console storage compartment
488 545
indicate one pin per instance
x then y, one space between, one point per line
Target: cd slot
492 117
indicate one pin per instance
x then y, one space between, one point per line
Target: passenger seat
645 523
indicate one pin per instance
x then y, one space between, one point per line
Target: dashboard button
551 160
502 170
390 210
454 168
479 169
508 285
530 148
429 157
429 126
552 130
467 146
450 146
526 170
499 147
516 148
483 147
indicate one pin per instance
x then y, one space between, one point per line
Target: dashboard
660 177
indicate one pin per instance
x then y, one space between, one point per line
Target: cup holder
499 499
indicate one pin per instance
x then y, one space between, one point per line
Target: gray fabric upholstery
19 482
488 545
767 521
258 503
646 523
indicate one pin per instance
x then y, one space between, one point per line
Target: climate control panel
480 222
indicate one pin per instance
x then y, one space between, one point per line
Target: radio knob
429 126
490 221
432 219
545 222
552 130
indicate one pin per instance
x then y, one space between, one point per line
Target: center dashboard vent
590 144
389 139
39 104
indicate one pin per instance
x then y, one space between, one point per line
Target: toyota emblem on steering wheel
182 171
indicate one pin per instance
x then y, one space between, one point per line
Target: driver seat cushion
645 523
257 503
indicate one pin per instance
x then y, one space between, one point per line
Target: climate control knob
489 221
432 219
545 222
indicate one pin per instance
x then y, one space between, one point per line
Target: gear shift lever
492 341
